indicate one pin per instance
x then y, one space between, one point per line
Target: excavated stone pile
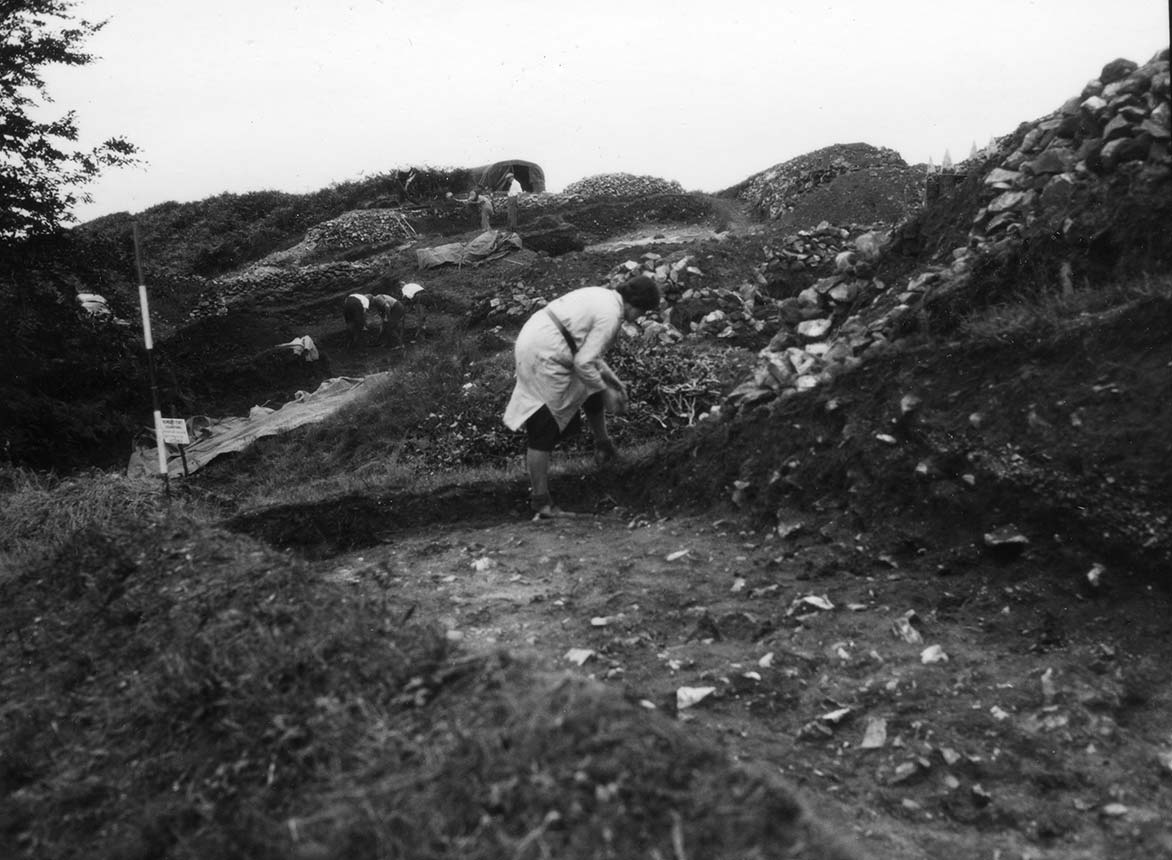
360 227
621 185
691 307
804 257
779 190
1112 140
1118 126
265 284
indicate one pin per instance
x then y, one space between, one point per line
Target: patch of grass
1051 315
439 411
166 688
39 511
551 766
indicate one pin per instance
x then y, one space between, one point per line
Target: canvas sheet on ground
225 435
489 245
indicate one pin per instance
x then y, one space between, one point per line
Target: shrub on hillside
74 385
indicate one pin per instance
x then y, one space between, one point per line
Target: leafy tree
41 176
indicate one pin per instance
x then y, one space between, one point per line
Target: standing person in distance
514 191
561 369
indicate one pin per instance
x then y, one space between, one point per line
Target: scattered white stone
578 656
933 654
811 601
875 734
1095 575
1006 536
687 697
814 329
903 629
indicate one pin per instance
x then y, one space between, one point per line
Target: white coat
547 373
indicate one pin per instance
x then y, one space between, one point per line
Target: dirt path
1016 723
731 218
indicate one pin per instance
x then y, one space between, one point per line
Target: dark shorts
542 432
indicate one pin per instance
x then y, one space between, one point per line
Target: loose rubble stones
621 185
1117 127
1113 139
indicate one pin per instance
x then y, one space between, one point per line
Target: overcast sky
293 95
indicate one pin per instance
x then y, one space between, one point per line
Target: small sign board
175 431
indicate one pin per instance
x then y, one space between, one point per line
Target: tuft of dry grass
523 764
39 511
167 687
1055 314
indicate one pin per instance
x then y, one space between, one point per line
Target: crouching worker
391 312
560 370
354 313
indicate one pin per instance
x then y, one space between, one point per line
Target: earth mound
779 191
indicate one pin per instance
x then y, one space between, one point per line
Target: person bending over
391 312
560 369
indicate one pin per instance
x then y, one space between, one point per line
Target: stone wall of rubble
621 185
1112 139
741 314
1118 126
260 283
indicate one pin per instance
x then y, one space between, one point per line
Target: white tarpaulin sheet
489 245
213 437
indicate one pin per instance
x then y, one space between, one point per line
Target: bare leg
543 506
538 464
604 449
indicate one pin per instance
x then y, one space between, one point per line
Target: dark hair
640 292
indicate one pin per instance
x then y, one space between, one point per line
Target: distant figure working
391 313
387 311
481 199
354 310
560 369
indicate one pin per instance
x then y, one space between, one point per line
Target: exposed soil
1014 706
1045 713
947 624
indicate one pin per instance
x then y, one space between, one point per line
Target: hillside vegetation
882 573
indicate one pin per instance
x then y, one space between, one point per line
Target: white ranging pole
160 445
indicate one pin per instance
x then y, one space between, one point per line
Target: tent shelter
491 176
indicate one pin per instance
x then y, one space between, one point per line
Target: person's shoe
551 512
